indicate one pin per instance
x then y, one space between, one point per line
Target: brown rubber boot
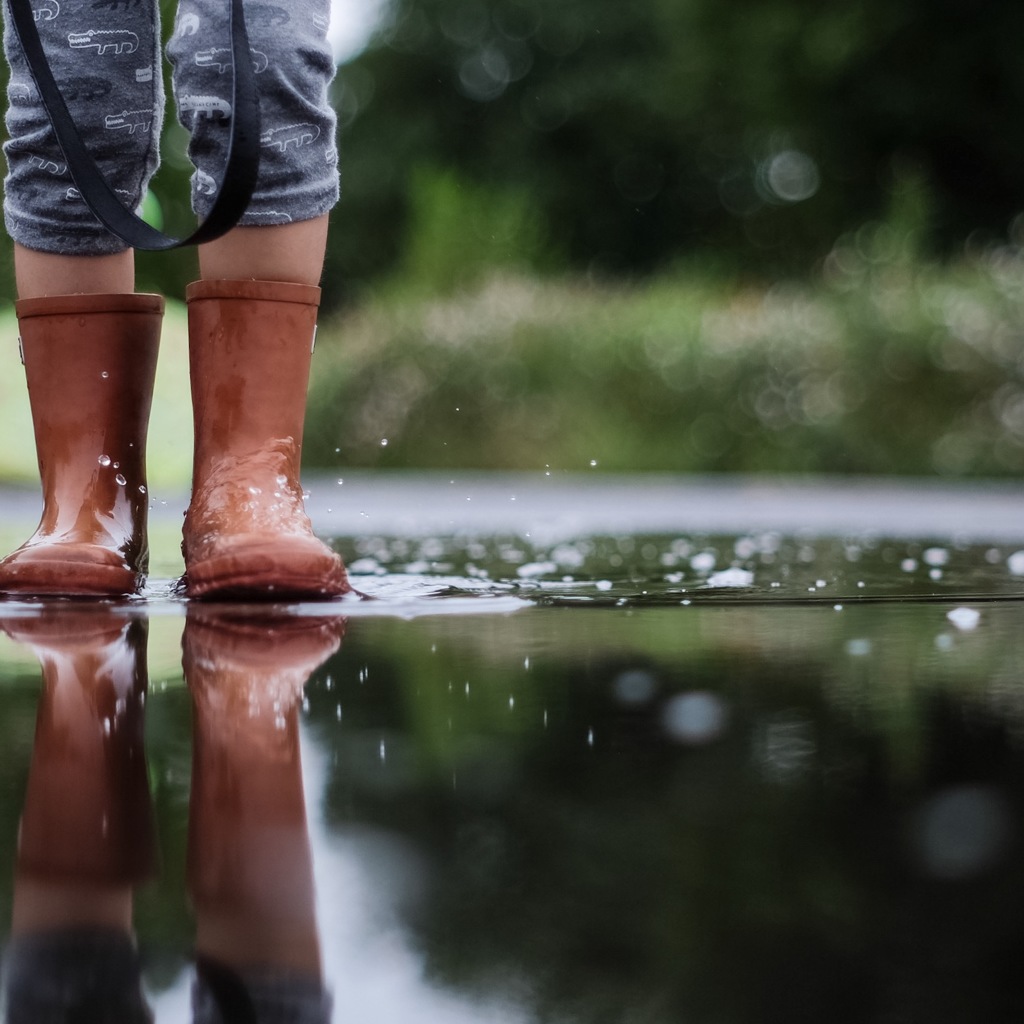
246 532
89 361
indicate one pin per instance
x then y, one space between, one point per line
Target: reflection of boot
246 532
88 817
86 832
89 363
250 868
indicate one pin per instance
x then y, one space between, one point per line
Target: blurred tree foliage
597 135
882 364
750 135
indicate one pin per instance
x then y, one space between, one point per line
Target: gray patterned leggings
105 56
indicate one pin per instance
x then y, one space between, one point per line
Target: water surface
641 777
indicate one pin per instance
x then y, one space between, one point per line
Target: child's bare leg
283 252
38 274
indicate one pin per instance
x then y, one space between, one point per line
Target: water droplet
104 460
383 442
731 577
142 489
703 562
281 480
120 480
255 490
965 619
593 462
104 374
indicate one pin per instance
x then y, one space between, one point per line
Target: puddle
650 570
641 778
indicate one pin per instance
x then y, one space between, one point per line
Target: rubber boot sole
64 575
281 569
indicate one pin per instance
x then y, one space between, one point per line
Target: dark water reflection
708 813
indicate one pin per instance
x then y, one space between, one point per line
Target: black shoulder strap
240 168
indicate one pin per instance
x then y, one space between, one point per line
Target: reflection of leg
250 868
86 834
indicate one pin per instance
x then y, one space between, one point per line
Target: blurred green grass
882 364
